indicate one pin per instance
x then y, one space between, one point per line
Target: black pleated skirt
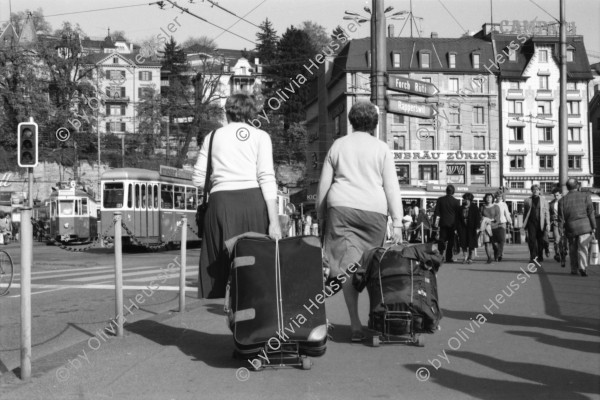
230 213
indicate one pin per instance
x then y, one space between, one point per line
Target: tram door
139 210
152 205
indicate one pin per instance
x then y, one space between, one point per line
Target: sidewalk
542 341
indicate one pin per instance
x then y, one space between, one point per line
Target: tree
114 35
202 41
317 34
149 116
267 39
39 21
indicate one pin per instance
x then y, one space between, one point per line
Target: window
546 161
179 197
145 92
400 142
517 161
156 196
166 197
425 60
512 55
454 116
115 127
478 173
547 187
573 107
137 195
130 196
398 119
517 185
574 134
403 172
428 80
427 143
143 196
515 107
478 115
452 60
543 81
337 131
114 75
112 196
428 172
396 60
544 107
476 61
115 92
545 134
454 142
514 84
190 198
84 207
570 53
453 85
150 196
145 75
115 60
478 142
455 173
118 109
516 134
543 56
571 86
574 162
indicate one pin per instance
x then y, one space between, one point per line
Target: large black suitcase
401 278
277 296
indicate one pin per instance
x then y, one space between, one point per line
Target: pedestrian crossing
103 278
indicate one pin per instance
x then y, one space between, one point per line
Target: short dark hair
468 196
572 184
485 196
556 190
450 189
363 117
241 107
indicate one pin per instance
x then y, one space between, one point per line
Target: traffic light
27 144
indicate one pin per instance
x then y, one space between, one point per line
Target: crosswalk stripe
85 272
111 287
149 279
155 272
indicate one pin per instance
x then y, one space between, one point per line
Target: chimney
391 30
256 61
434 35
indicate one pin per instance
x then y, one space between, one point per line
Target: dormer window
425 60
115 60
543 56
452 60
570 54
396 60
475 60
226 68
512 55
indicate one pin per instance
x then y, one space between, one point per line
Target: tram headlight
66 225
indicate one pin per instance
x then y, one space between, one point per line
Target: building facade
594 118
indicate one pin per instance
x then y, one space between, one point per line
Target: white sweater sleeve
199 175
265 173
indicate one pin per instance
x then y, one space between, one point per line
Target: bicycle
6 272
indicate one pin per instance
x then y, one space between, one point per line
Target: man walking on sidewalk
560 242
537 220
576 215
446 207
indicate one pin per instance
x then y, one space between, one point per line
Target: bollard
26 261
118 274
183 262
422 233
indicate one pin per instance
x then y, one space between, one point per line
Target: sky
449 18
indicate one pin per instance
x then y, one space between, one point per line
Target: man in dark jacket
576 215
446 208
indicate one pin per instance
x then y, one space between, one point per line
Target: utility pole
378 64
563 144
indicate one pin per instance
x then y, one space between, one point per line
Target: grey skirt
350 232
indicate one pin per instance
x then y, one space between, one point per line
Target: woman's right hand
397 235
275 230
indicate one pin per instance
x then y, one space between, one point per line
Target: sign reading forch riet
399 83
421 110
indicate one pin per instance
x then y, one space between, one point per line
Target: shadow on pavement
213 349
571 344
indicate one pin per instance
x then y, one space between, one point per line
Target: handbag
203 206
594 256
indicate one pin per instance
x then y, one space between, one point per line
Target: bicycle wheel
6 272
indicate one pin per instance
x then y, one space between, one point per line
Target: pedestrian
537 221
491 212
446 208
243 191
576 215
414 210
357 190
560 241
467 224
5 228
500 231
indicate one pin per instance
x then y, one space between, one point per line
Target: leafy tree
203 41
39 21
317 34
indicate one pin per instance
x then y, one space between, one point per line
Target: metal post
30 186
118 275
379 64
26 260
563 144
422 233
183 264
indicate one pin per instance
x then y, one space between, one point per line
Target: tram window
130 196
84 207
150 197
65 207
156 196
190 198
166 196
143 196
53 209
179 198
77 207
137 195
113 195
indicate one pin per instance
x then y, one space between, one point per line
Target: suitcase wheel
376 342
419 341
306 363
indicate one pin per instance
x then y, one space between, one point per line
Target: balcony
574 95
117 99
544 94
515 94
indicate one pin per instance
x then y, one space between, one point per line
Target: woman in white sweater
243 192
357 190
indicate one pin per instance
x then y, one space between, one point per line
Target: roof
130 173
230 55
28 34
96 58
576 70
8 36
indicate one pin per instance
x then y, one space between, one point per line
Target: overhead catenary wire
214 3
235 23
454 18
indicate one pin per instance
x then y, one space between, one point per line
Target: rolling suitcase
276 300
402 288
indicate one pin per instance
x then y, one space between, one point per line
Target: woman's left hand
275 230
397 235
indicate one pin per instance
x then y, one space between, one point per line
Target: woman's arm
391 187
265 175
325 182
199 174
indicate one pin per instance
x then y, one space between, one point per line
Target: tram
151 204
73 213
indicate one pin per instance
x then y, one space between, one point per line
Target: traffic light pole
30 179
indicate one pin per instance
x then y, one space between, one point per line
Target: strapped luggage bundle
402 287
275 301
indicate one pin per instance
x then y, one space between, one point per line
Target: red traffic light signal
27 144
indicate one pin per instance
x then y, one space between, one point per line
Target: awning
547 152
516 152
542 177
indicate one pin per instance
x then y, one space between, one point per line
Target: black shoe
583 272
562 264
489 261
574 272
499 258
450 261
